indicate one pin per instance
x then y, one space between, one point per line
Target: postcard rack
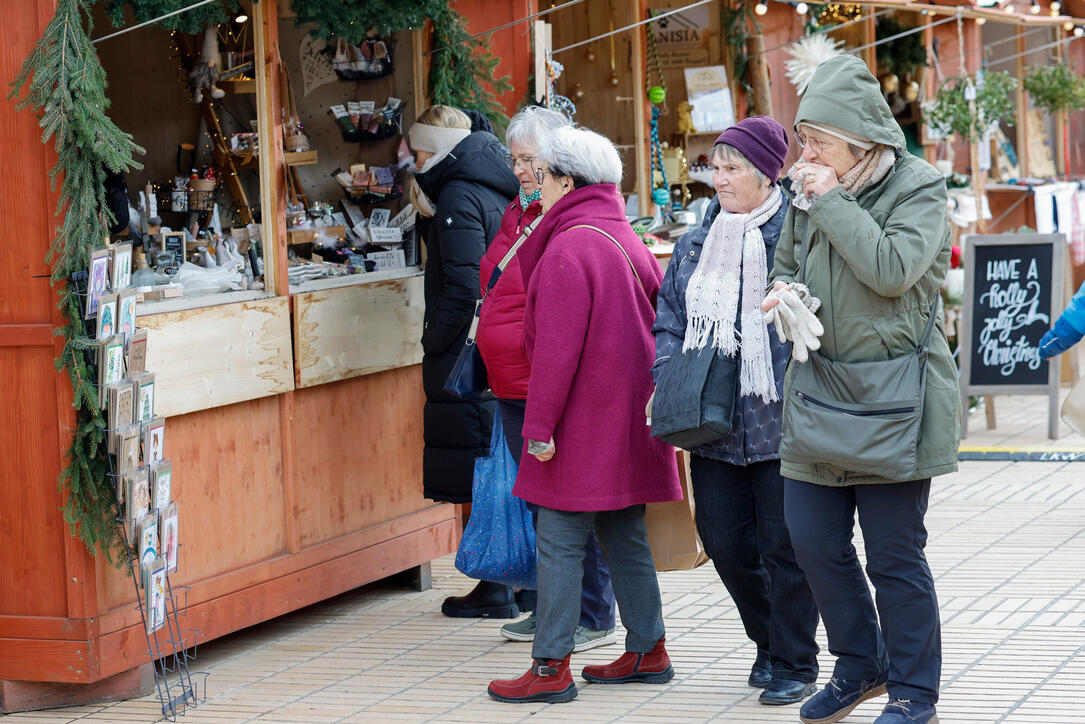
171 648
146 517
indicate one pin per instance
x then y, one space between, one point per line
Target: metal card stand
171 648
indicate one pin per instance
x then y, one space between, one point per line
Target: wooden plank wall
358 330
36 550
216 356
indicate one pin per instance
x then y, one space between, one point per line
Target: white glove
795 321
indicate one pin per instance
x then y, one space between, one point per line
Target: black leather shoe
525 599
492 600
785 691
761 672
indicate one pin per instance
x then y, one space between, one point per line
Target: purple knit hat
761 140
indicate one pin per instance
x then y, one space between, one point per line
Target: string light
241 18
1035 8
761 8
1056 7
1079 31
802 8
1068 26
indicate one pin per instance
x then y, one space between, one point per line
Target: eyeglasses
540 174
513 161
816 144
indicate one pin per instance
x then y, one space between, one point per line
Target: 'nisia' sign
1013 291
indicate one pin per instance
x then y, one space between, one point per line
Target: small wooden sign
1013 292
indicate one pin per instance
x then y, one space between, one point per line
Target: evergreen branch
65 83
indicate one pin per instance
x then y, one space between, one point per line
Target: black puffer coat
469 190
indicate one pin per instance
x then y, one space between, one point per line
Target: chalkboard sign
1013 293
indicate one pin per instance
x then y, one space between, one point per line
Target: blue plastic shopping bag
499 542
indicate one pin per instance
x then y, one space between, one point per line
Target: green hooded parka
875 260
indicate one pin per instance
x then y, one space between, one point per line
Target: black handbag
467 380
694 400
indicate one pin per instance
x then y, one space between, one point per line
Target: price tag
385 235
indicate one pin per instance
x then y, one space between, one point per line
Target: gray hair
533 125
585 156
727 152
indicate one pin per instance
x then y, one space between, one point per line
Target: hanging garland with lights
191 21
65 83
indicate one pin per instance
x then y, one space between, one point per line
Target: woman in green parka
872 219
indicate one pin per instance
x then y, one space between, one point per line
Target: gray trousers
561 537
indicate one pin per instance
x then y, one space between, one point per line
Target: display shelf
317 285
238 86
300 158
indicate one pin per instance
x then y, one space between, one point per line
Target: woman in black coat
461 191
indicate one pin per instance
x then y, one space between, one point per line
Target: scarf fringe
734 265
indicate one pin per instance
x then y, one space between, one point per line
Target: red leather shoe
653 667
546 681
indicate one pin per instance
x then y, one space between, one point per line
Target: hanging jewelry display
657 94
559 103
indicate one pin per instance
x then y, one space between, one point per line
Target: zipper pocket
856 413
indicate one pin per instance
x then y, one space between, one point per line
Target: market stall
281 338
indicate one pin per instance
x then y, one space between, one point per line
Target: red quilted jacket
501 325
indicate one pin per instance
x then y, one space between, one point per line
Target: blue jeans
597 594
908 643
740 518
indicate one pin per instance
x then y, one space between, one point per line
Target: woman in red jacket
501 343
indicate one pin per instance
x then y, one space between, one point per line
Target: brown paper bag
672 531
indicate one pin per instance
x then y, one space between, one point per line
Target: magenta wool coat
588 335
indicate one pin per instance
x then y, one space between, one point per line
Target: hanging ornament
578 91
657 94
591 52
806 55
614 79
557 102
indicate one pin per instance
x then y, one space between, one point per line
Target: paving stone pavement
1007 548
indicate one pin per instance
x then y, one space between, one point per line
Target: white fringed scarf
733 258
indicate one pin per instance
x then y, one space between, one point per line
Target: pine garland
352 19
463 74
66 84
191 21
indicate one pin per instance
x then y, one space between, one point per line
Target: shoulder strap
501 265
617 244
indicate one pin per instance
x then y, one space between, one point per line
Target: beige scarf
870 169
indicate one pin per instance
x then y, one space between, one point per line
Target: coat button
692 254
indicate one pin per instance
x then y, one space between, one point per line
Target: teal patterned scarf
527 199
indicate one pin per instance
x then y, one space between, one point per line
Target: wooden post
419 71
638 9
870 36
758 75
1022 104
543 45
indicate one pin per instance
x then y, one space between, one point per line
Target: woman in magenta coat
501 343
592 463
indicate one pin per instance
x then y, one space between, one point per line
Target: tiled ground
1007 547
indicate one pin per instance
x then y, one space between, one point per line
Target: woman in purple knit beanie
710 303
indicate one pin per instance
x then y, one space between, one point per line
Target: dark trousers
597 594
562 538
908 643
740 518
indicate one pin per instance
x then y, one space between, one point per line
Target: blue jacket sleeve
1068 330
670 325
